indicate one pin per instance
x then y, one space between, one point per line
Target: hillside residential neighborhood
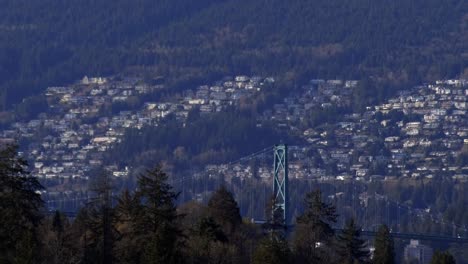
417 134
71 139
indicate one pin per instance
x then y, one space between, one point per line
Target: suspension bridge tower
280 182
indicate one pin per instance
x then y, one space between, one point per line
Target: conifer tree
19 208
351 248
58 229
208 243
272 251
208 228
384 247
101 222
125 212
58 241
314 234
157 222
57 223
223 208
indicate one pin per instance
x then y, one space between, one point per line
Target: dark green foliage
272 251
223 208
210 139
126 247
273 247
57 223
58 240
314 232
318 116
58 227
30 107
19 209
321 38
142 228
208 228
350 247
208 243
100 223
384 248
161 246
442 258
145 227
216 233
51 42
156 222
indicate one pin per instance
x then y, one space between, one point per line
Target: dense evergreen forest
203 140
146 226
44 43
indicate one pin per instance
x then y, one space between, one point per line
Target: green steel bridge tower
280 182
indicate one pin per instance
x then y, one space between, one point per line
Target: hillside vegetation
49 42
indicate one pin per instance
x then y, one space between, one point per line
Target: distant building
418 253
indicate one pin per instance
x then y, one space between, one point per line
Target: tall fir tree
19 209
351 248
384 247
125 212
157 223
314 233
223 208
100 222
58 229
58 241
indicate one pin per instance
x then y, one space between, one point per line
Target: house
242 78
206 108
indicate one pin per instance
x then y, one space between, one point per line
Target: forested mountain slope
51 42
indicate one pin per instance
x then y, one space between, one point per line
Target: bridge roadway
427 237
396 235
364 233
